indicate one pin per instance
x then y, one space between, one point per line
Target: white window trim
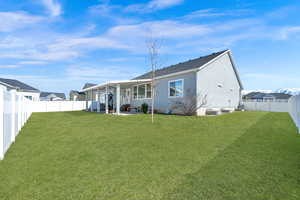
182 88
137 92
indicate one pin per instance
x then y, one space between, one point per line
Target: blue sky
58 45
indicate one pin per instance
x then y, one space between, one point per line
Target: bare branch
153 46
189 105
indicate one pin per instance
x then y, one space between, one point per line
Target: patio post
118 99
98 100
106 99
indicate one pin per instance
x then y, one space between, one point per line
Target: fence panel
7 118
14 112
267 106
294 109
292 106
58 106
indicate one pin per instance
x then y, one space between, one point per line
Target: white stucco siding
219 82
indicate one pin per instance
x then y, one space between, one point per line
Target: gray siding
219 82
162 102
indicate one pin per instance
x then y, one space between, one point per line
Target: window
142 91
135 92
149 91
28 97
176 88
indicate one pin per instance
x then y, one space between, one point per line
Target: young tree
153 46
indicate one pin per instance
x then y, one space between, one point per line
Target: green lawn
90 156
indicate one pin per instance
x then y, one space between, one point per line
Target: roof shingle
261 95
60 95
191 64
87 85
18 85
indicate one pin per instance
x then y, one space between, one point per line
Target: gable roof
57 94
15 84
188 65
76 92
87 85
261 95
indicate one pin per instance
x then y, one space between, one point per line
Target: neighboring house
88 85
21 88
212 80
88 94
261 97
52 96
77 96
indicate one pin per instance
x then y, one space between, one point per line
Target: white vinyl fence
271 106
15 110
294 109
13 115
292 106
58 106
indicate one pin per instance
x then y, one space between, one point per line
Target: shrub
145 108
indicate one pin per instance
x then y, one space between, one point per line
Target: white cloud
111 12
32 62
53 7
215 13
85 43
283 12
11 21
288 31
166 28
100 73
179 36
103 9
162 4
152 6
272 77
37 54
8 66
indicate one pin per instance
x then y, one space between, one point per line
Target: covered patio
109 97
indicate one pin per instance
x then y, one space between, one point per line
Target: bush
145 108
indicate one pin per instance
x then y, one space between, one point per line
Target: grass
78 155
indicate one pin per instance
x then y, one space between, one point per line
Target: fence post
2 89
13 114
297 102
18 113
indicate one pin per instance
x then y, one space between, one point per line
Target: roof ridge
202 60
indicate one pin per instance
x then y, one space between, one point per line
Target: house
212 81
21 88
52 96
269 97
88 94
77 96
81 96
88 85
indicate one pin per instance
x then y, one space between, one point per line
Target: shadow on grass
264 163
